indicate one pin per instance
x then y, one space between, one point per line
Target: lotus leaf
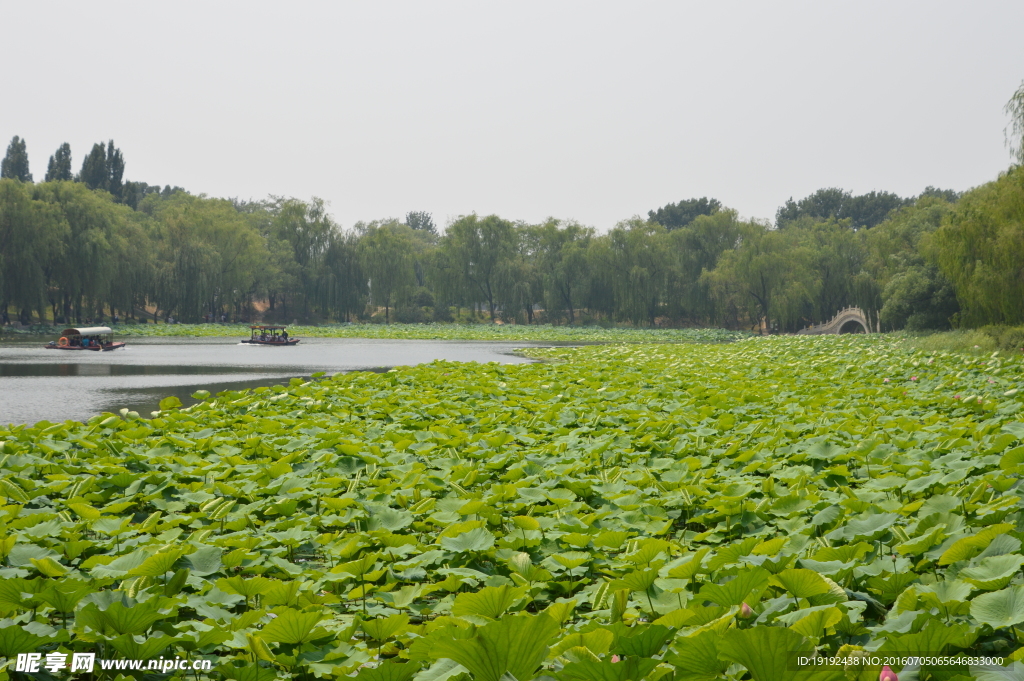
514 645
1003 608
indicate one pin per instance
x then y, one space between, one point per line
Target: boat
270 335
95 338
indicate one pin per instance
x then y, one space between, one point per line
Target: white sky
593 111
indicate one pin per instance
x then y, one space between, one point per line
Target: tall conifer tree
59 167
115 170
94 168
15 163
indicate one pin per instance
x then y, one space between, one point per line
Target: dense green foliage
95 245
866 210
619 512
980 248
676 215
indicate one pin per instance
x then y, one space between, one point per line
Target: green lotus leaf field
674 510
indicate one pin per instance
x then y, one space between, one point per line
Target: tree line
91 245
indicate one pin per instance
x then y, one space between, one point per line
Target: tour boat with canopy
96 338
270 335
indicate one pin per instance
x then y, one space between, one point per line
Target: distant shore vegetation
90 247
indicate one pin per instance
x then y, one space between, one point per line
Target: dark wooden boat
270 335
95 338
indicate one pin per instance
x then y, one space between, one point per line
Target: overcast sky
594 111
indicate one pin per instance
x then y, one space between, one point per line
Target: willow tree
343 282
839 255
562 261
600 288
640 264
209 257
770 276
980 247
307 230
387 259
82 278
473 252
32 239
134 265
519 276
695 248
1015 131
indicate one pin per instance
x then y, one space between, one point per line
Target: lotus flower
885 381
888 674
616 658
913 378
745 611
956 397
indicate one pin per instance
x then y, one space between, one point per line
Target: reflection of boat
95 338
270 335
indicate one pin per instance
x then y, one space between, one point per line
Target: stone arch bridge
847 320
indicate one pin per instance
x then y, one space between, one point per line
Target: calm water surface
54 385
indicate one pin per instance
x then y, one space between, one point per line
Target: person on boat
284 336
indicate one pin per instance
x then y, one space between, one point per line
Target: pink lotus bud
745 611
913 378
615 658
956 397
885 381
888 674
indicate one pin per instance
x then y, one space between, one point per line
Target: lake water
37 384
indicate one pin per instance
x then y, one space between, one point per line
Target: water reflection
38 369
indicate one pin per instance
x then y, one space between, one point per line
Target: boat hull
102 348
290 341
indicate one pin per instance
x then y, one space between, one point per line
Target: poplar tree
115 170
94 168
59 167
15 163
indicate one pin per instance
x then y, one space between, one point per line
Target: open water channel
37 384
